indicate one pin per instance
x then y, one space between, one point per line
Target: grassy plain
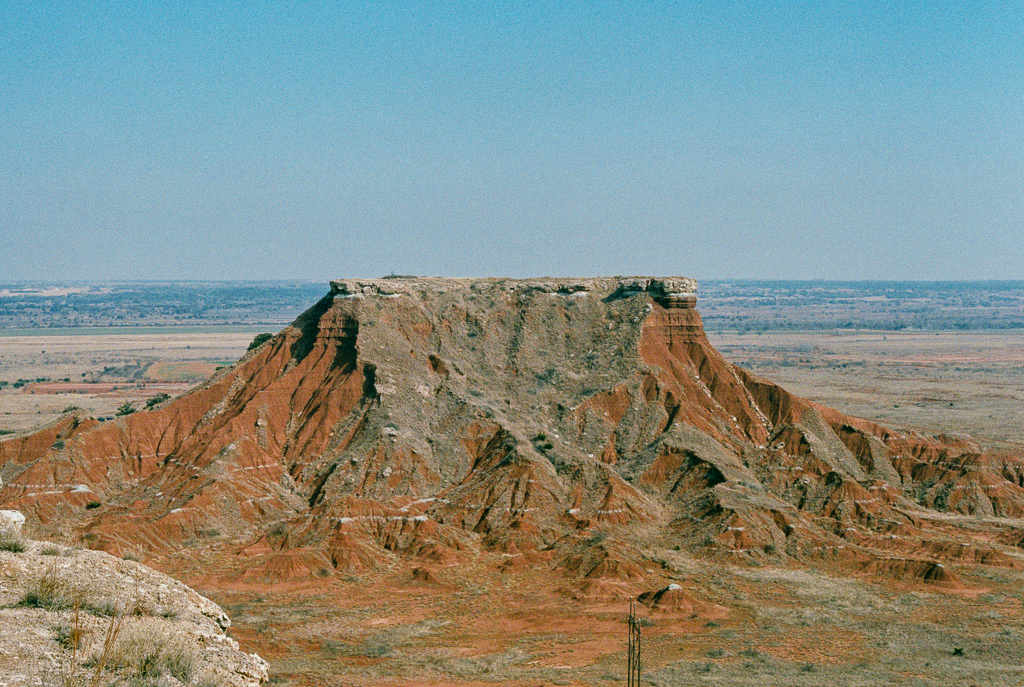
100 369
969 382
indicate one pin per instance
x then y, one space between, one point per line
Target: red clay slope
578 424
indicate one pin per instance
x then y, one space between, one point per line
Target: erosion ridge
571 423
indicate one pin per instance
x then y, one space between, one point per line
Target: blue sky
869 140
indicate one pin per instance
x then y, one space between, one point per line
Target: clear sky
253 140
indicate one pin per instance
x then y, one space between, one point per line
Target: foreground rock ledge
181 632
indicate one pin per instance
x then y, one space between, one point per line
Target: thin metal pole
629 649
633 654
629 659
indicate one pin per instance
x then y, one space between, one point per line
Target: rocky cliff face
567 423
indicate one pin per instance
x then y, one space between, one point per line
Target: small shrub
140 607
958 651
50 592
541 442
49 550
70 637
259 340
92 505
10 538
808 668
105 607
165 612
180 662
156 400
126 408
715 653
150 653
375 647
12 545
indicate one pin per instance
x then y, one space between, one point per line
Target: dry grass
10 538
145 649
131 651
51 591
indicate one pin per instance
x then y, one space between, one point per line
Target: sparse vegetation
10 538
143 650
156 400
70 635
259 340
126 408
375 647
50 592
53 591
11 544
541 442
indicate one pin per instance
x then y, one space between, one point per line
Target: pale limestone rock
11 520
155 607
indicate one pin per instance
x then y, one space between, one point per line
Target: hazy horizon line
295 280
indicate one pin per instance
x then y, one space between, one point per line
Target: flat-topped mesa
669 292
453 419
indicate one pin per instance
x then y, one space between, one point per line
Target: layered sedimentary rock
572 423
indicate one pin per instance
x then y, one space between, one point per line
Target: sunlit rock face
571 423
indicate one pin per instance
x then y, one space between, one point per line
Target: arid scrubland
425 484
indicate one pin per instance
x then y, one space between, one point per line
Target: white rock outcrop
157 617
11 521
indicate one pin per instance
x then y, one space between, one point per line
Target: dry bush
10 538
50 592
71 636
56 591
146 650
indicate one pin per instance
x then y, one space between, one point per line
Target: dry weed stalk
76 637
113 630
